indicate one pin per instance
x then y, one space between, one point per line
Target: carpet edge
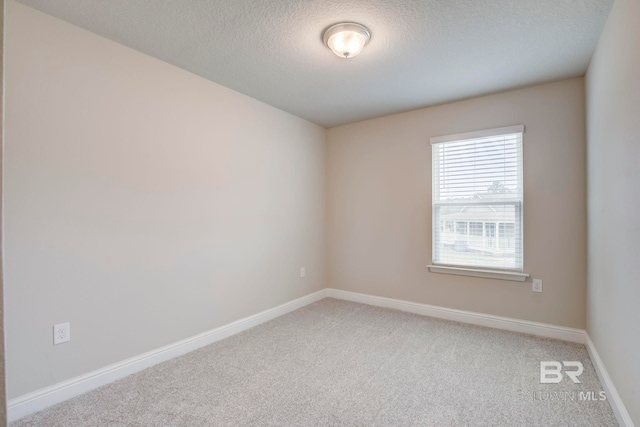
619 409
488 320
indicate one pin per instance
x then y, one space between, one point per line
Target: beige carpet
336 363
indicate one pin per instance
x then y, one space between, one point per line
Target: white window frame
504 274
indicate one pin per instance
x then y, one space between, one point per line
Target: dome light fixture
346 39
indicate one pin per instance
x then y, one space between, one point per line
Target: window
478 188
475 228
461 228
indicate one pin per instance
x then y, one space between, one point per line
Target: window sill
487 274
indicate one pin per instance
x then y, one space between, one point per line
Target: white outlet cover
303 272
537 285
61 333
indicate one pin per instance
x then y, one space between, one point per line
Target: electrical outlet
61 333
537 285
303 272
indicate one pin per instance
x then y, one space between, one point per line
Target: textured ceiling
422 52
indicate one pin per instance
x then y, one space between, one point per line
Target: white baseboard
43 398
506 323
620 411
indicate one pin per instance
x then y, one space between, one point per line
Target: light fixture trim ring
346 26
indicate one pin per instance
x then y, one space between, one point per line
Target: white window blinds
477 199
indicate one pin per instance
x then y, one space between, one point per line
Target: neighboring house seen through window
477 199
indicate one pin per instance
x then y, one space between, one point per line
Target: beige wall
379 205
143 204
613 114
3 397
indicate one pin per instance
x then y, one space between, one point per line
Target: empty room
320 213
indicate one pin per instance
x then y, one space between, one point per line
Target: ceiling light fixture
346 39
